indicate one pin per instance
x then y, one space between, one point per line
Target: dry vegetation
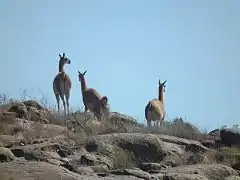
9 126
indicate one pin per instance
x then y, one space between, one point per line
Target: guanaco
154 110
92 100
62 84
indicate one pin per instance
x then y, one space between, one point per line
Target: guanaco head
161 86
63 60
81 75
105 109
104 101
161 89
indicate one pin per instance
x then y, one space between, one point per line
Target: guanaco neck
60 67
160 94
83 85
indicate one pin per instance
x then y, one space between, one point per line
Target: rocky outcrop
36 143
230 136
6 155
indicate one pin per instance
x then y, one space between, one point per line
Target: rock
172 161
236 166
88 160
123 123
133 172
83 170
101 169
177 140
78 168
54 162
84 159
118 117
37 115
46 131
196 148
20 109
33 103
9 140
122 177
42 151
45 171
208 143
197 158
53 130
97 149
213 144
30 110
5 114
232 178
174 155
124 147
151 167
210 171
6 155
38 170
181 176
93 127
175 149
230 136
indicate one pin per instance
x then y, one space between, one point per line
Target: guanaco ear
60 56
63 55
104 100
84 72
159 82
164 82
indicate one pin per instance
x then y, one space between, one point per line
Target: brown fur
154 110
92 100
62 84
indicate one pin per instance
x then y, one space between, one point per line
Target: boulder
209 171
6 155
230 136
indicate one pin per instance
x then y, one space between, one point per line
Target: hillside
37 143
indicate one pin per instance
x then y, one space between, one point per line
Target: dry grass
8 126
6 177
77 121
225 156
227 150
180 129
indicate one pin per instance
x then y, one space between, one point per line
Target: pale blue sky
126 46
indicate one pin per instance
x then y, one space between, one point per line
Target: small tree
224 127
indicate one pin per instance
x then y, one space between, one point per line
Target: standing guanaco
154 110
62 84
